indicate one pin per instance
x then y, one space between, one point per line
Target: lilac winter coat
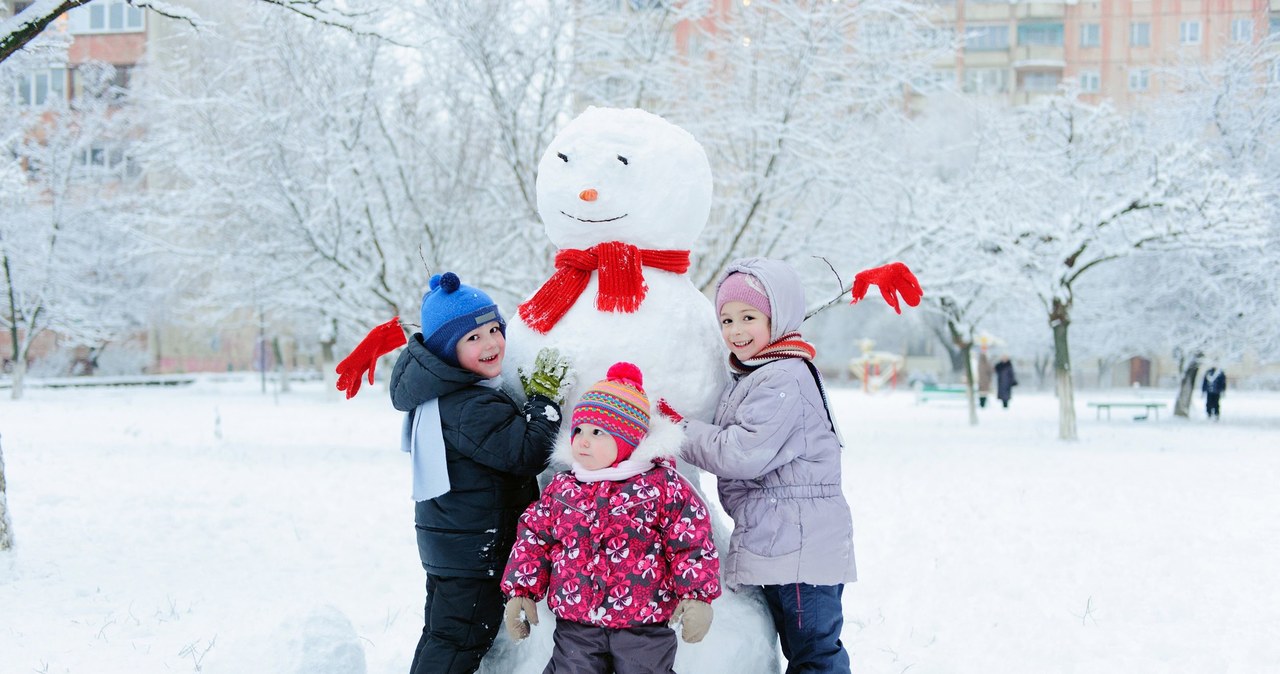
777 458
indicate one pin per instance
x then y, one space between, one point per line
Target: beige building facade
1112 49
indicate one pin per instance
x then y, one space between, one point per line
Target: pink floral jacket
615 554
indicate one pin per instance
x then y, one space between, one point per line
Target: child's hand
518 628
666 410
551 376
893 279
695 619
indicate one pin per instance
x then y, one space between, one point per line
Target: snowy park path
212 528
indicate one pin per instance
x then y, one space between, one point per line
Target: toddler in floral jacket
620 544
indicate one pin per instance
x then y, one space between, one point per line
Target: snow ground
212 528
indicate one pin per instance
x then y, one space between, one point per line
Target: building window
1189 32
40 88
934 81
1038 82
107 16
1140 34
104 161
986 38
941 35
116 88
986 80
1275 25
1242 30
1090 81
1049 34
1090 35
1139 79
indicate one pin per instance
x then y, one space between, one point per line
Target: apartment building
1113 49
105 31
128 38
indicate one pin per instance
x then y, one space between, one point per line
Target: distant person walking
985 372
1005 380
1214 385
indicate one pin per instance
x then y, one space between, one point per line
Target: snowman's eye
563 157
623 160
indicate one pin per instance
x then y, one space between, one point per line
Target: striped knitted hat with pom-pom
617 404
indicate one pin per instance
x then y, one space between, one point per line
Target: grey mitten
550 378
695 619
518 627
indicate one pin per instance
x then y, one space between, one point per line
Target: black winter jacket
1215 381
494 451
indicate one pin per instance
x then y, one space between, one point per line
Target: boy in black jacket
476 456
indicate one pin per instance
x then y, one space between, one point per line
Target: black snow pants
462 617
1212 407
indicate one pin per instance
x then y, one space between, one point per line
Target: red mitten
666 410
893 279
380 341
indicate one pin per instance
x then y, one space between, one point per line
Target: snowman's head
624 175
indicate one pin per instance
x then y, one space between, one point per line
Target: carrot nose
588 195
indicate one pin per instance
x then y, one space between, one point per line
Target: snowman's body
673 337
629 176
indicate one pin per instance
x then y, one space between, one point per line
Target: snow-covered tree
1221 300
1234 103
1091 187
787 98
6 527
340 172
19 30
67 256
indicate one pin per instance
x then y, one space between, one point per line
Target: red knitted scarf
622 287
790 345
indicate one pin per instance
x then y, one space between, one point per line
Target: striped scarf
790 345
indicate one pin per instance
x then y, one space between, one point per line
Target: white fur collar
662 440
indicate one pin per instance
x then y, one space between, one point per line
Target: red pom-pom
626 372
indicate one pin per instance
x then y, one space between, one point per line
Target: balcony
1045 10
987 59
1039 56
1025 97
997 11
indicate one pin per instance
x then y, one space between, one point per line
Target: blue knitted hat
450 310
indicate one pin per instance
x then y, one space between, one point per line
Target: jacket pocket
771 526
456 548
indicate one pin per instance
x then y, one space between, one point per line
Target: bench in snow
927 393
1147 408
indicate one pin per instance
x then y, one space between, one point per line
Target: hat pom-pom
626 372
448 282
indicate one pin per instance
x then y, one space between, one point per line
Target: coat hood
433 377
782 286
662 441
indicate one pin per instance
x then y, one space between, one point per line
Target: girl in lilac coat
774 447
620 545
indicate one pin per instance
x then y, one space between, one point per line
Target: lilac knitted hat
740 287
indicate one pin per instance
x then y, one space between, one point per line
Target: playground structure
875 368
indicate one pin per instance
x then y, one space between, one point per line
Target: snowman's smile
594 221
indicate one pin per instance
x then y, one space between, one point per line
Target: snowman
624 194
